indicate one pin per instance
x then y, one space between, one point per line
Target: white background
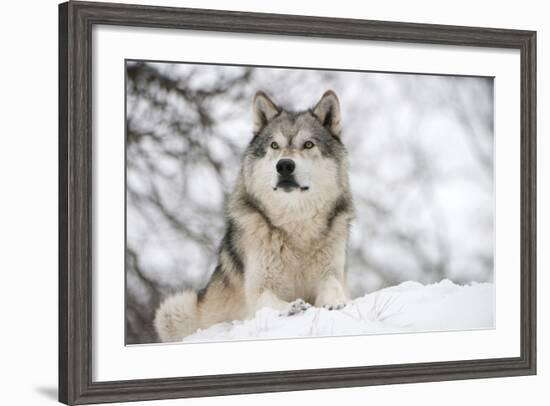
28 204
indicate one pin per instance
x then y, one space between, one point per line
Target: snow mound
408 307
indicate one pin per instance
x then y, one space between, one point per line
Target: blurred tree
170 123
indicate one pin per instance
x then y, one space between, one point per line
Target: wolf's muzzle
285 168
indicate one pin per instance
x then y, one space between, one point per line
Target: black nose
285 167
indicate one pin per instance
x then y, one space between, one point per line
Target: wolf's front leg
331 293
266 284
261 279
269 299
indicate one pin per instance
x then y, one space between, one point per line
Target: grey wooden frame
76 20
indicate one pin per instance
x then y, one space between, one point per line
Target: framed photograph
259 202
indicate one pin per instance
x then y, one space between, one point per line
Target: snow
407 307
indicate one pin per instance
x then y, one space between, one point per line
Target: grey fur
228 244
340 207
282 248
254 205
329 144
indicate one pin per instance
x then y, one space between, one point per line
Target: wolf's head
296 159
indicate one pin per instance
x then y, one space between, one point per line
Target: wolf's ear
264 111
327 110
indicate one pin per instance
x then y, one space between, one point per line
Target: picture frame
76 203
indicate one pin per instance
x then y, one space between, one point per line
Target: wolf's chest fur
292 259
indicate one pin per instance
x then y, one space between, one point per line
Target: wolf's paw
296 307
338 306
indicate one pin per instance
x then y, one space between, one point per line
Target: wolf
288 220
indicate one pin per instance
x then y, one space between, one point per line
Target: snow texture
407 307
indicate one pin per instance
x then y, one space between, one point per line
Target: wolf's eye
308 145
274 145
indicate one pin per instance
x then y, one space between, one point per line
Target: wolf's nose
285 167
